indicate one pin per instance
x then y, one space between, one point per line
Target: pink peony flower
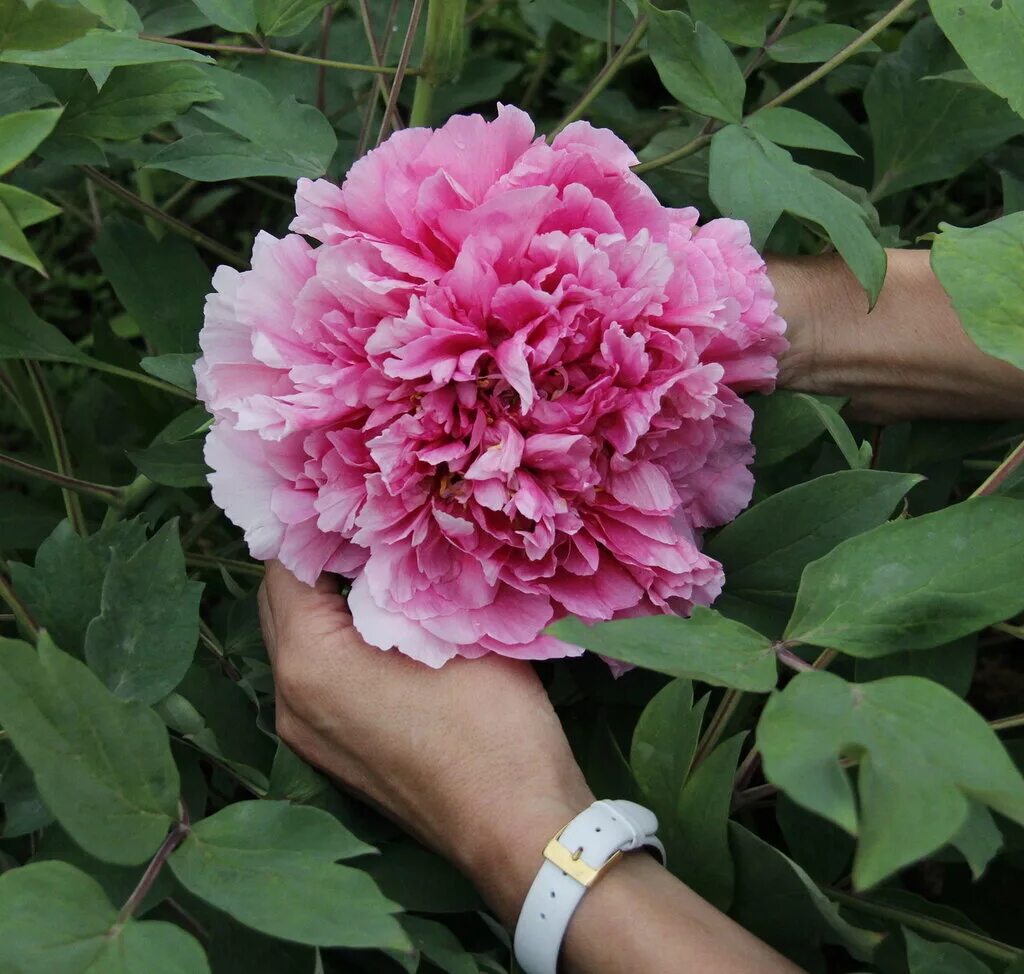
503 387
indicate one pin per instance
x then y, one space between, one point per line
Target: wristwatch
574 860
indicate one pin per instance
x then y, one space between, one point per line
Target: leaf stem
422 99
196 236
605 75
998 477
251 568
698 143
274 52
1007 723
402 69
142 377
132 497
18 609
209 639
950 933
174 838
103 492
378 53
787 657
716 726
58 445
1016 631
839 58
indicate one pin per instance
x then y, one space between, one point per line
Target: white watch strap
573 860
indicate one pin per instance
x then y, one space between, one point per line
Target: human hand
909 358
470 758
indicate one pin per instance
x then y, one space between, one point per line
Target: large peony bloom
501 388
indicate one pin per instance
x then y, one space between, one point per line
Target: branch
251 568
197 237
998 477
975 942
18 609
58 445
174 838
605 75
103 492
698 143
274 52
402 69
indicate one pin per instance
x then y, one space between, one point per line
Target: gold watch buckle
571 864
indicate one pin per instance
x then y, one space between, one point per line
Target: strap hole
552 894
543 916
598 829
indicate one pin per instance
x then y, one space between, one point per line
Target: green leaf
161 283
785 423
755 180
664 743
925 957
54 919
929 130
990 39
765 550
21 89
143 641
271 865
923 756
916 583
778 902
980 271
267 136
740 21
40 25
707 647
979 840
786 126
439 945
178 464
13 245
21 132
27 209
103 766
103 49
857 457
815 44
701 825
695 64
64 589
119 14
23 334
283 18
177 368
134 100
237 16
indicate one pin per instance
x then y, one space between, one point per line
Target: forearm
908 359
638 919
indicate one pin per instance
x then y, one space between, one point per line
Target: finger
267 622
287 596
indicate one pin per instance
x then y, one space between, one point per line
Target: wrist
502 846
